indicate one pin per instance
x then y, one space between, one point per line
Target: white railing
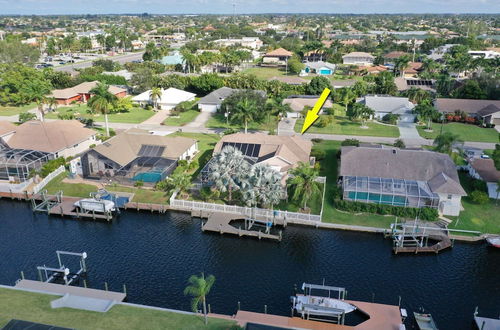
14 187
246 211
39 186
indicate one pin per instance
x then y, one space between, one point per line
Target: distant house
358 58
319 68
290 80
369 70
404 84
281 153
390 58
298 102
250 42
413 69
277 57
336 84
173 58
437 53
169 98
62 138
486 54
122 73
383 105
213 101
135 155
81 93
400 177
487 110
314 55
484 169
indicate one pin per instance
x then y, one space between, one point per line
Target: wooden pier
220 223
160 208
443 242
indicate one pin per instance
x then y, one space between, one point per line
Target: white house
358 58
319 68
383 105
169 98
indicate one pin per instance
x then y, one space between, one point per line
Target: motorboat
425 321
322 307
493 241
95 205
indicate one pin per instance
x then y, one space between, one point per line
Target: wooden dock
220 223
61 289
444 242
160 208
67 208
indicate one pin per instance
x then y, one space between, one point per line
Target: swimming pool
377 198
147 177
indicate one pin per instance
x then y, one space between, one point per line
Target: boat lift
52 273
46 202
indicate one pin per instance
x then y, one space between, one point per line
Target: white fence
39 186
246 211
14 187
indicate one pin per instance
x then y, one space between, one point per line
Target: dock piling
209 309
106 286
22 275
265 309
239 305
124 288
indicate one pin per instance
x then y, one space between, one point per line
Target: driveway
200 120
408 131
286 126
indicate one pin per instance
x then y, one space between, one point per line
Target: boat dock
220 222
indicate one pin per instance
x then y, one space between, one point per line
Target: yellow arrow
312 114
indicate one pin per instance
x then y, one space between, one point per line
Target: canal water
155 254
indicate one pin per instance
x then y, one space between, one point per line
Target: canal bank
154 254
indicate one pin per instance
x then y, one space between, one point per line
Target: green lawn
465 132
183 119
35 307
479 217
269 72
134 116
11 110
329 168
344 126
219 121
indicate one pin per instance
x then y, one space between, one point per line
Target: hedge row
424 213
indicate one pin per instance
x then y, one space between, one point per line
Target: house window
108 167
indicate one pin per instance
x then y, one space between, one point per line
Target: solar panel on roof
247 149
151 151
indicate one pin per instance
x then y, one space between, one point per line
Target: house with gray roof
385 104
320 68
213 101
401 177
487 110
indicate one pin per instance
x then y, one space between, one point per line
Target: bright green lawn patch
134 116
142 195
184 118
329 168
12 110
35 307
219 121
266 73
69 189
465 132
344 126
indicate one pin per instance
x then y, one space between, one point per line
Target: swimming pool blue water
147 177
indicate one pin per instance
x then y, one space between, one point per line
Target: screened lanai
17 164
389 191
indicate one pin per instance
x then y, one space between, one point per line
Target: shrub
425 213
26 116
390 118
350 142
318 154
399 144
138 184
51 166
193 165
479 197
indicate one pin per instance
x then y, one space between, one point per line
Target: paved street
118 58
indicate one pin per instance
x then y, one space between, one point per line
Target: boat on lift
95 205
322 307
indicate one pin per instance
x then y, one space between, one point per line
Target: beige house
297 104
358 58
277 57
63 138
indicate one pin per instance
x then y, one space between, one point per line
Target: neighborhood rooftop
469 106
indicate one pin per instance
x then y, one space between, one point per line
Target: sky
26 7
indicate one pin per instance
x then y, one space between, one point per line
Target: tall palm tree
101 102
304 184
199 288
263 186
401 63
155 95
245 111
179 181
346 96
227 170
444 142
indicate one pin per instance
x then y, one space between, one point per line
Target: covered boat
95 205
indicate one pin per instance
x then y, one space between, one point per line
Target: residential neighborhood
174 149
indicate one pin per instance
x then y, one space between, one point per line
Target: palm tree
304 184
360 111
346 96
101 39
417 95
155 95
426 111
101 102
228 170
401 63
244 111
199 288
444 142
263 186
51 102
180 182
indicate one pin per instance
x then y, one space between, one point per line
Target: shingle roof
358 54
466 105
124 148
437 169
488 110
279 52
51 136
387 103
320 64
297 104
83 88
6 127
217 96
486 169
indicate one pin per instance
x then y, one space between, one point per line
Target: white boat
95 205
308 305
493 241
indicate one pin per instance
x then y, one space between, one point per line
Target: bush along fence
424 213
290 217
39 186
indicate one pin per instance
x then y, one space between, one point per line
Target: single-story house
484 169
358 58
172 58
413 69
276 57
336 84
290 80
63 138
81 93
213 101
314 55
169 98
403 84
6 129
368 70
391 57
488 110
320 68
136 155
298 102
384 104
281 153
400 177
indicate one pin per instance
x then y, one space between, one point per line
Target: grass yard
480 217
13 110
219 121
465 132
329 168
344 126
183 119
266 72
134 116
35 307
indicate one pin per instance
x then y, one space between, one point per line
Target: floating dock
220 222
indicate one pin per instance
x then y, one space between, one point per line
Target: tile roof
279 52
395 54
466 105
